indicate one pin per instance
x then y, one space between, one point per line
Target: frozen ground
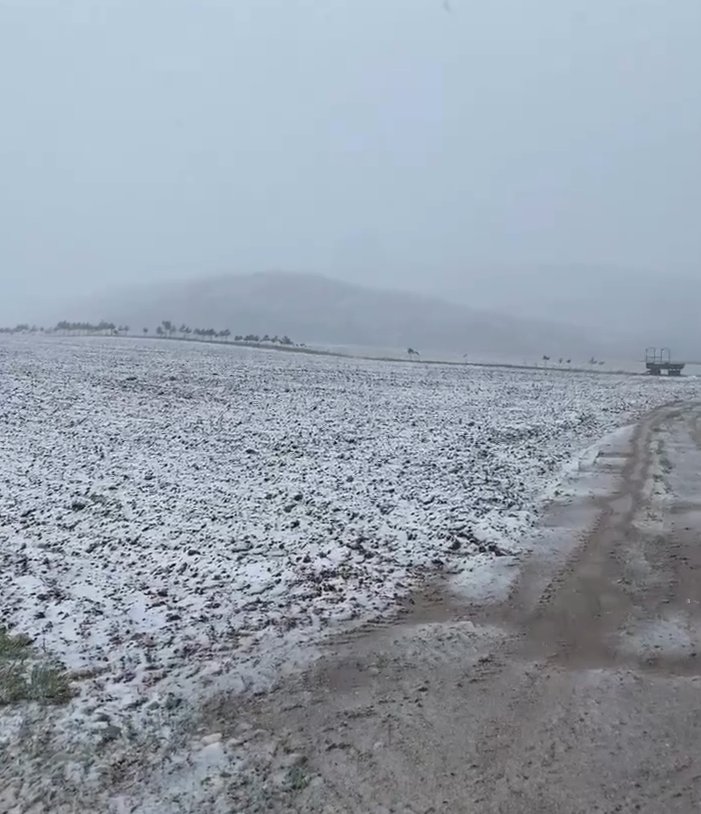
178 518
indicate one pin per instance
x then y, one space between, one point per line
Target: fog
415 144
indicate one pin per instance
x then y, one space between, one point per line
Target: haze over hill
313 308
611 313
606 313
627 309
417 146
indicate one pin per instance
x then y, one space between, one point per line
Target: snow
172 512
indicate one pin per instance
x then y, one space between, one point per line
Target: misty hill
315 309
626 308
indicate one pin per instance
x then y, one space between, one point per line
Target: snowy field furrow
167 508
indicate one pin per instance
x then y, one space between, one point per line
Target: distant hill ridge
315 309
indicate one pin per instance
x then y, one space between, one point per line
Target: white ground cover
172 512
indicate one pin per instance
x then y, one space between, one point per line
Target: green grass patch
297 778
28 676
13 647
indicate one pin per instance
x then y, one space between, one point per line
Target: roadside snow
172 515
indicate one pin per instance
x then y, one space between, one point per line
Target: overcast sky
381 140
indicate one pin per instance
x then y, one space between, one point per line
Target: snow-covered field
174 515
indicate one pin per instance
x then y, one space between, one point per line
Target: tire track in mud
553 700
584 600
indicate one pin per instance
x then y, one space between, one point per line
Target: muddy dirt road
575 689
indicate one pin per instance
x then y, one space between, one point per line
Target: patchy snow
172 514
